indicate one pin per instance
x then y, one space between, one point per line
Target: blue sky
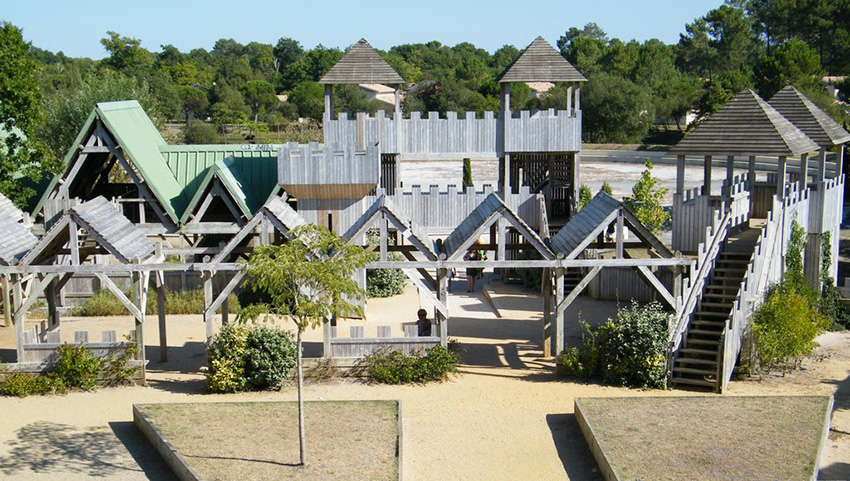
75 27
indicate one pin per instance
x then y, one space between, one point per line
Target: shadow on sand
572 449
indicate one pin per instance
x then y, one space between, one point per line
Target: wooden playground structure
200 209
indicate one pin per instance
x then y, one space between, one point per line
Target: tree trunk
302 435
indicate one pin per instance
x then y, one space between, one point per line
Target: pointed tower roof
809 118
540 62
362 65
746 126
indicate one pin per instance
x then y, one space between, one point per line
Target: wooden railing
738 195
435 137
693 211
358 346
692 288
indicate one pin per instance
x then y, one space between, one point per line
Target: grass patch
104 303
346 440
675 438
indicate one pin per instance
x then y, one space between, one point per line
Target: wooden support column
442 296
329 102
781 171
547 312
208 299
161 314
680 174
578 97
803 181
7 303
326 338
677 288
559 314
706 176
839 162
751 181
730 175
620 235
503 238
52 312
383 241
19 315
140 284
821 167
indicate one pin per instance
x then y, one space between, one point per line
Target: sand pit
504 417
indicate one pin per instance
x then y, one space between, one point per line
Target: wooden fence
357 346
41 346
694 211
455 137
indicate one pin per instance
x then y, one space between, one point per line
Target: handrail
716 235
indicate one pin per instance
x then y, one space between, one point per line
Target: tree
584 196
792 63
308 279
194 100
286 51
308 98
259 96
126 54
20 112
645 203
614 109
199 132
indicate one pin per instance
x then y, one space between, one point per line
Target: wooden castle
205 207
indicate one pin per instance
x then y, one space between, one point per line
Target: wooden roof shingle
746 126
362 65
809 118
540 62
584 224
112 230
16 240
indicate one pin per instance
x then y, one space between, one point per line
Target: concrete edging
170 455
605 466
823 441
488 292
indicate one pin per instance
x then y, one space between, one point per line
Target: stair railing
693 287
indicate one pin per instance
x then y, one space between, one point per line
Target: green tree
199 132
259 96
126 54
615 109
467 173
792 63
584 196
308 279
606 187
193 100
20 112
646 200
286 51
308 98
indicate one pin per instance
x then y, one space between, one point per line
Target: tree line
633 87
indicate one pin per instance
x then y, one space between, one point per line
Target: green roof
179 174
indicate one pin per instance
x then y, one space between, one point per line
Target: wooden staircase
697 363
572 277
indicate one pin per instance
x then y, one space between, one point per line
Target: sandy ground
504 417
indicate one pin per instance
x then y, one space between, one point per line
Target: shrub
269 357
628 352
249 357
78 367
584 196
785 326
22 384
531 278
829 305
395 367
117 370
384 282
199 132
104 303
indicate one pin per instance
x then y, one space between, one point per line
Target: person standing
423 324
471 272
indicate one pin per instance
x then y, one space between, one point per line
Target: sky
76 27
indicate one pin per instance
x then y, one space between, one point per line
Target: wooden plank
119 294
562 307
659 287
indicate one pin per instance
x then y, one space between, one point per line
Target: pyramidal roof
361 65
746 126
540 62
809 118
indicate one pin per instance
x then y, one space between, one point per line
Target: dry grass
709 437
351 440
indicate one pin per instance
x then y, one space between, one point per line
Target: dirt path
504 417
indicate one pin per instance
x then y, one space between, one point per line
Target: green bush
269 357
785 326
103 303
628 352
199 132
78 367
384 282
249 357
22 384
584 196
395 367
829 304
531 278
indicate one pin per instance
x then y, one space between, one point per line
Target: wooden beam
222 296
107 282
461 249
562 307
208 299
439 304
706 176
442 295
159 279
559 314
656 283
235 240
781 171
7 302
35 288
592 236
803 181
19 316
618 252
547 313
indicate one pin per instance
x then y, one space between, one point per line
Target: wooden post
19 317
502 234
821 167
751 181
329 103
160 309
326 338
839 162
680 174
383 240
619 235
140 288
547 312
559 315
803 181
52 312
730 175
578 97
781 170
442 296
706 176
208 299
7 303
